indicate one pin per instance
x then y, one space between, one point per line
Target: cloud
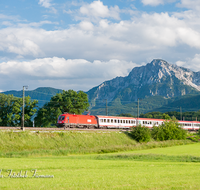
148 33
157 2
97 10
190 4
152 2
47 4
191 63
62 73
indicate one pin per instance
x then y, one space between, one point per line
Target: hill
42 94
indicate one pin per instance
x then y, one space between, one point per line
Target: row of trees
67 101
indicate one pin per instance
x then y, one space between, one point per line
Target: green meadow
102 161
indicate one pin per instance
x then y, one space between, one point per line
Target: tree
169 130
68 101
11 110
166 116
126 115
141 133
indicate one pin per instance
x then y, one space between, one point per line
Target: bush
169 130
141 134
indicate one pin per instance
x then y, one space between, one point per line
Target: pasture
158 168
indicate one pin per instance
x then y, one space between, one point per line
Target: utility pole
23 100
181 113
138 113
106 108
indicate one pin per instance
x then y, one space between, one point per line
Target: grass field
91 160
24 144
106 171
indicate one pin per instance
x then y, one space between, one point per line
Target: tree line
68 101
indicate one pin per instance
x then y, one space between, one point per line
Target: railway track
53 129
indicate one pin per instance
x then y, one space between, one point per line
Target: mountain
159 86
42 94
156 79
185 103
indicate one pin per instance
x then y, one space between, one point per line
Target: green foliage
126 115
167 131
11 110
141 134
68 101
157 115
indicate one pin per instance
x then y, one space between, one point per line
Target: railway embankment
28 143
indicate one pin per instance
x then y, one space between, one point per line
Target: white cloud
86 25
153 2
157 2
97 10
190 4
104 40
62 73
45 3
191 63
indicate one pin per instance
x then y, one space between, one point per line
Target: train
68 120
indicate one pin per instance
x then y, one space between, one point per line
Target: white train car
190 125
128 122
148 122
116 122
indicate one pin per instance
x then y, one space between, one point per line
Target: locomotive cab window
61 118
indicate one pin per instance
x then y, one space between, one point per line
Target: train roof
114 117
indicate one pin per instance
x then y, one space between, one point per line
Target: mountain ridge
157 83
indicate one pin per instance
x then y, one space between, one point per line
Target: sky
79 44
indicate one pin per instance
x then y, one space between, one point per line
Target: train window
115 121
143 122
120 121
61 118
101 120
131 121
150 122
123 121
104 120
108 120
111 120
126 121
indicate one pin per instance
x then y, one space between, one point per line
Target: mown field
130 165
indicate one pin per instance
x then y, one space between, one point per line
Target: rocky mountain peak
156 78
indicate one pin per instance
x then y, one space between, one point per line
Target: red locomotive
77 121
116 122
